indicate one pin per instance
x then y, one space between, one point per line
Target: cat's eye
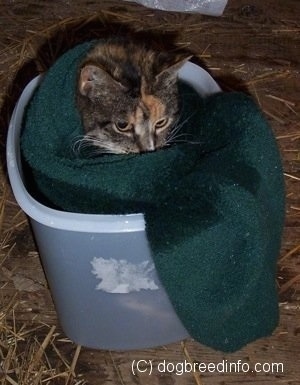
161 123
123 125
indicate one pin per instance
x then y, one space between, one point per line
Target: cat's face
128 98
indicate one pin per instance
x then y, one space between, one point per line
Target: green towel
213 204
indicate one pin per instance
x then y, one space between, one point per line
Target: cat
128 96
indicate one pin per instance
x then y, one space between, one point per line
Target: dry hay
28 359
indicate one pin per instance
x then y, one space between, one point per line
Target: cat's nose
151 145
147 144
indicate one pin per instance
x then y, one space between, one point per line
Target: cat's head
128 97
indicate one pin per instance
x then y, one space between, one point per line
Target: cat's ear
169 74
93 78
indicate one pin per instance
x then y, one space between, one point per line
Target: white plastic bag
206 7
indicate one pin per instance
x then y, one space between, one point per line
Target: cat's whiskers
185 139
175 136
106 147
95 146
84 142
80 142
175 132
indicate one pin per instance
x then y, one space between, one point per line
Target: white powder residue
121 276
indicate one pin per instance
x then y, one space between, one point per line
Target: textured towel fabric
213 203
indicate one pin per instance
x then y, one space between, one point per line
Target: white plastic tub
99 267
